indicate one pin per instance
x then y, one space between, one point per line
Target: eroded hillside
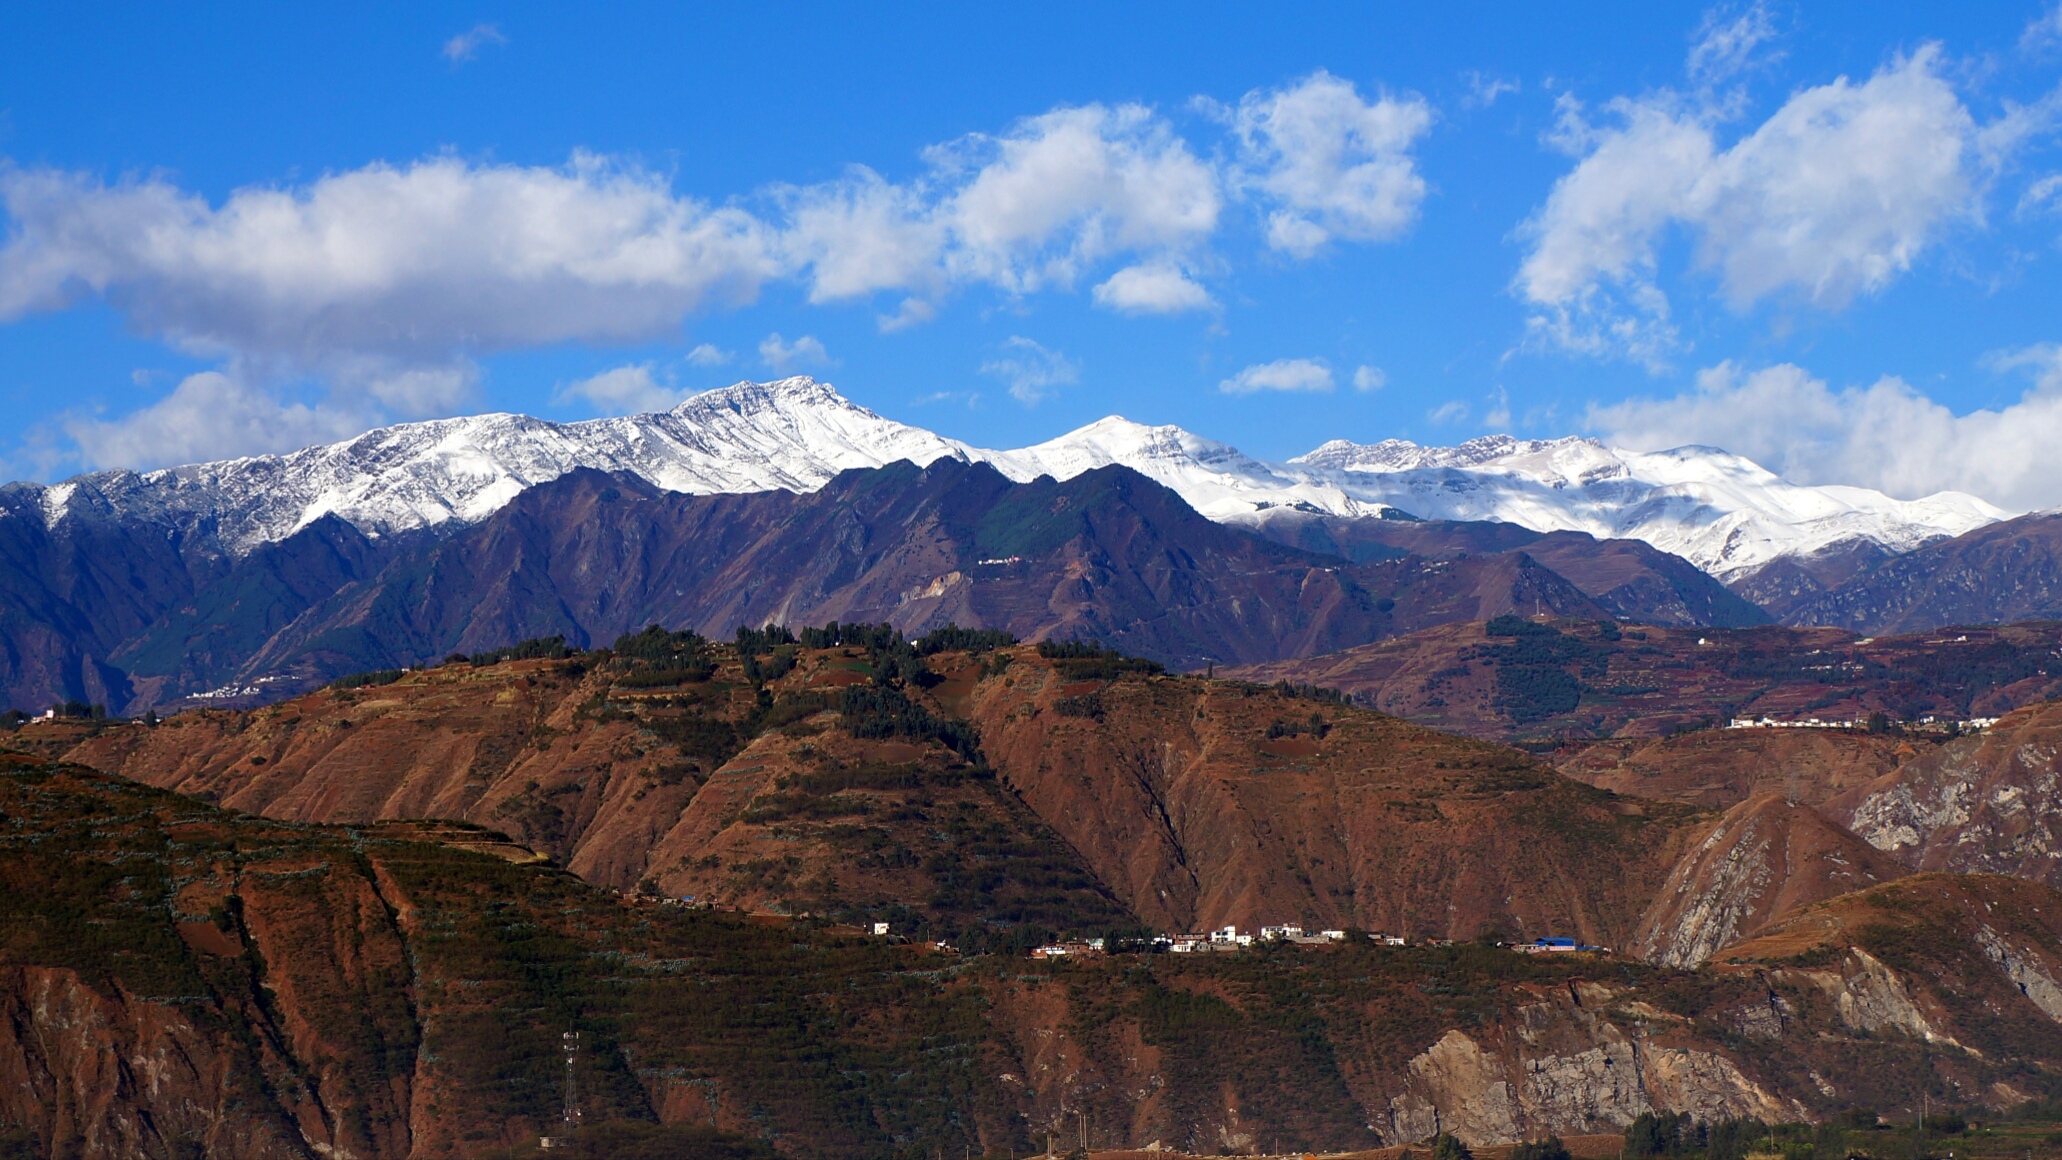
957 788
184 979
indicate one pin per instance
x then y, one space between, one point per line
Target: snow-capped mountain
1724 513
791 435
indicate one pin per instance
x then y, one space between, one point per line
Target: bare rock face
1565 1066
1987 804
1764 858
120 1075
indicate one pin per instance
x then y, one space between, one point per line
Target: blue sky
1826 237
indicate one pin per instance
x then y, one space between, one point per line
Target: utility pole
571 1114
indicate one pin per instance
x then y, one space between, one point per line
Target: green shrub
363 680
1550 1148
549 648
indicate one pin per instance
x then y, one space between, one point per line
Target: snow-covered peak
1725 513
794 435
1217 480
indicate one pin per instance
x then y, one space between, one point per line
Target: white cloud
1159 288
1287 374
2045 30
1334 164
627 390
1725 44
1027 209
1071 186
783 356
1367 378
1886 436
860 234
1834 196
208 416
467 45
424 263
1030 369
1451 411
912 312
2043 196
708 354
1483 90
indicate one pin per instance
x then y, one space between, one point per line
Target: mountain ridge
1725 514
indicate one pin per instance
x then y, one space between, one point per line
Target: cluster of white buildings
1231 938
1971 724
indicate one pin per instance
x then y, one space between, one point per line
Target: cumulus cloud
1336 166
1886 435
708 354
1151 289
210 415
1834 196
467 45
782 356
422 263
627 390
1030 208
1030 369
1287 374
1367 378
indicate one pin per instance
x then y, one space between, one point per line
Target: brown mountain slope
1765 858
1207 802
691 786
1720 768
186 980
1621 680
1166 794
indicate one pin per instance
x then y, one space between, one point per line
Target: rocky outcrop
1565 1066
1763 859
1987 804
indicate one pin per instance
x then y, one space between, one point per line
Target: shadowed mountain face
1107 554
1627 578
2008 571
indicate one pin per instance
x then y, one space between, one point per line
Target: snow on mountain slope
1725 514
1221 482
793 435
1722 512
